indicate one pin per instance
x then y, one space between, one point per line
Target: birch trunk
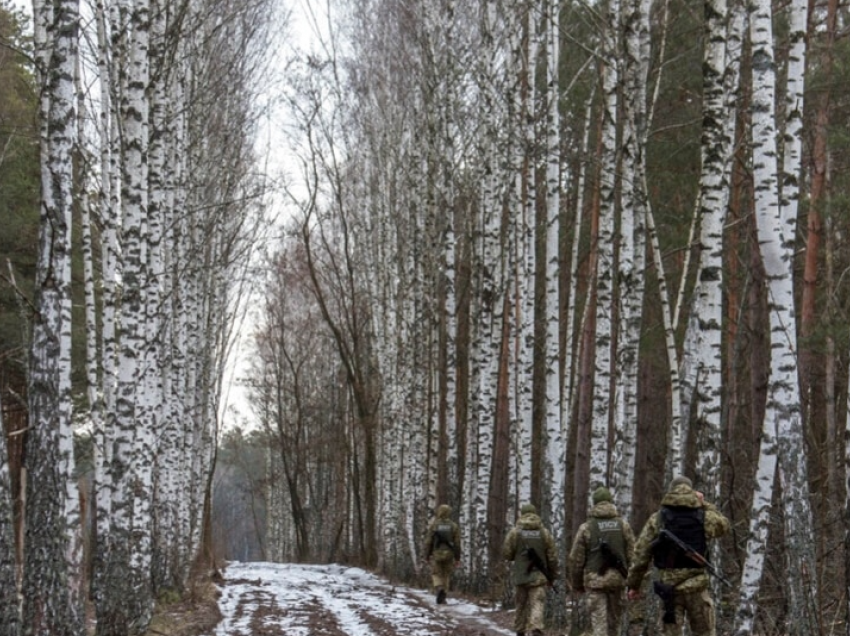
109 219
127 596
790 430
605 266
571 340
449 169
670 310
713 200
52 596
556 437
521 410
632 241
776 225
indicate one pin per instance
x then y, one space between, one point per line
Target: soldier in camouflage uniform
442 549
681 583
599 561
531 570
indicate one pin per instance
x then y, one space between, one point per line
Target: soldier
676 540
599 562
442 549
534 553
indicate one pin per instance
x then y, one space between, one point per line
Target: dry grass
194 615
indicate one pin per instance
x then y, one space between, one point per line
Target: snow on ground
277 599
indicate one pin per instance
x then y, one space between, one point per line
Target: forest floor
265 599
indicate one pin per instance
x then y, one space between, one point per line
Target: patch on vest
608 525
530 534
445 527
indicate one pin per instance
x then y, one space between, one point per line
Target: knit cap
528 509
601 494
681 481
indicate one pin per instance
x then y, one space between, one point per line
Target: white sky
307 19
346 593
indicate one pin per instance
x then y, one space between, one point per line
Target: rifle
611 559
537 562
695 556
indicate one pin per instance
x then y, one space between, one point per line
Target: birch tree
782 438
632 241
52 603
605 265
803 591
556 426
707 312
488 304
127 598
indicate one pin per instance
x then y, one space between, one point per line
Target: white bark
776 225
571 341
524 363
714 196
108 211
128 561
556 427
51 592
803 590
632 241
525 61
605 327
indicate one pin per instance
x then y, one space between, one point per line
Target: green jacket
530 533
582 574
683 579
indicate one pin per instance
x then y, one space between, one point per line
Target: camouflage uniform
604 591
442 549
529 580
690 585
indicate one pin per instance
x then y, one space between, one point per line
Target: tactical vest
610 531
524 571
689 525
442 540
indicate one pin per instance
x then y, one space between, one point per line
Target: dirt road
265 599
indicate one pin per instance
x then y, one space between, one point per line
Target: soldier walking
599 562
676 540
442 549
532 549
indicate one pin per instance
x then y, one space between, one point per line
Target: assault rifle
611 559
535 561
694 556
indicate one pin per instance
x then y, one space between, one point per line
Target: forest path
275 599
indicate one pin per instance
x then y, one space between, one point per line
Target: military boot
441 596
